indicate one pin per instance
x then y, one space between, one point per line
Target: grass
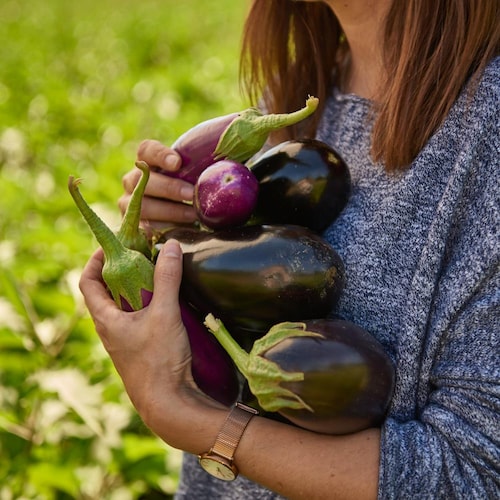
81 84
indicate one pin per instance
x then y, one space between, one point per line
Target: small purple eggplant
127 272
225 195
237 136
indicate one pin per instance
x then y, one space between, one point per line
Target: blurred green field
81 84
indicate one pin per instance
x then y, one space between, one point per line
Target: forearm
283 458
301 464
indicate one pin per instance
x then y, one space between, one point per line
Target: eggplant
212 368
325 375
303 182
225 195
127 271
254 276
236 136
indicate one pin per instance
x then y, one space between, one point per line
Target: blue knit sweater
421 251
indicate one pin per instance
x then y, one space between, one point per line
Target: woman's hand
149 348
165 197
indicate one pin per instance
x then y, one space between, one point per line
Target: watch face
218 469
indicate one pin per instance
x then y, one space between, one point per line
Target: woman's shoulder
475 117
485 93
491 75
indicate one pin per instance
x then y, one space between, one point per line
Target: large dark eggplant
326 375
255 276
303 182
237 136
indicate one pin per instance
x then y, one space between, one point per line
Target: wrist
188 421
219 460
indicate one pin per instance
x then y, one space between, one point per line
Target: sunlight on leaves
13 146
45 184
47 331
9 317
73 389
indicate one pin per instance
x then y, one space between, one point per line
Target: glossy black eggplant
236 136
255 276
303 182
326 375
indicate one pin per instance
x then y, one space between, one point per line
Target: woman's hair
432 48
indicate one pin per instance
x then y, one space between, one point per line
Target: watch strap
232 430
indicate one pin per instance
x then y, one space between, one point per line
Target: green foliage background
81 84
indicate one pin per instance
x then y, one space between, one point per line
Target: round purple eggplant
225 195
303 182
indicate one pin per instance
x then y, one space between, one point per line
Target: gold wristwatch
219 460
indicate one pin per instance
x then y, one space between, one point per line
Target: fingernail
172 248
187 193
172 162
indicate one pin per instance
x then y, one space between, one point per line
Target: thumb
168 275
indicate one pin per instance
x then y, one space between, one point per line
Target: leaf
47 476
75 390
15 295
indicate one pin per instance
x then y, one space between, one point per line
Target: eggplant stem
247 134
281 120
279 332
235 351
129 233
264 376
125 271
109 242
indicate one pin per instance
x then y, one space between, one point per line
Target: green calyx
265 377
126 271
247 134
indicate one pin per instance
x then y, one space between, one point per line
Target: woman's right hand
166 199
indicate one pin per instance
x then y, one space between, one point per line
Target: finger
100 305
155 153
131 179
91 278
163 186
92 286
155 210
159 186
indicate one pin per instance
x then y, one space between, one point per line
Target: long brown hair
432 48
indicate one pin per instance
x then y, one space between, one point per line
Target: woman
410 93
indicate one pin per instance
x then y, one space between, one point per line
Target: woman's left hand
149 348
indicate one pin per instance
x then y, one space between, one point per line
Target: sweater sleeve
451 447
451 450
